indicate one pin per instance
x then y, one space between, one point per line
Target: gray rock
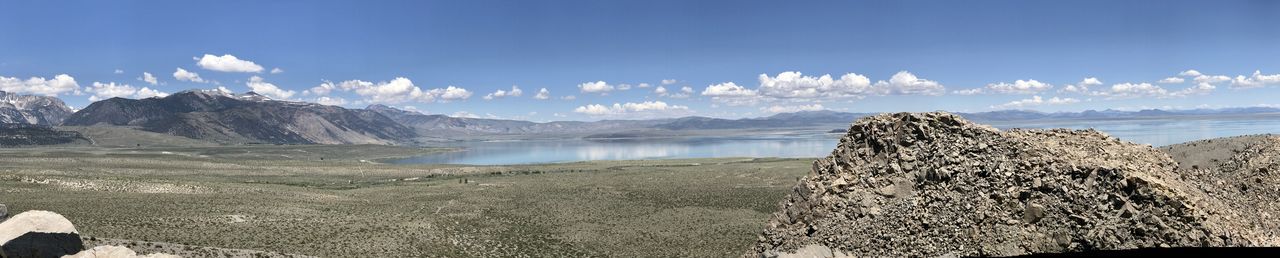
38 234
973 190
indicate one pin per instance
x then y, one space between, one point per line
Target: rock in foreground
934 184
38 234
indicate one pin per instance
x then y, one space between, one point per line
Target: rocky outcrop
1242 173
245 118
934 184
38 234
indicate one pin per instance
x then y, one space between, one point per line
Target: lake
1157 132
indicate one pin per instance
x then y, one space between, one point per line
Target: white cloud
258 85
227 63
542 94
147 77
796 85
1083 86
332 101
669 81
570 97
732 94
1017 87
276 70
1036 101
648 108
1172 80
1199 89
1133 90
145 92
789 109
514 92
397 90
905 83
184 75
450 93
323 89
1212 78
643 85
59 84
624 86
1190 73
103 91
661 91
595 87
464 114
728 89
1256 80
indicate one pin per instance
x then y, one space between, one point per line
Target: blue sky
946 48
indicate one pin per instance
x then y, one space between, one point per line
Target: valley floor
337 201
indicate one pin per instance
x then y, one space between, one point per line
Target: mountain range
224 117
245 118
28 109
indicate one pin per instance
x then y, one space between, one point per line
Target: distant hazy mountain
797 119
224 117
1017 115
444 126
27 109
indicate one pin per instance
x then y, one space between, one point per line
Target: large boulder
38 234
934 184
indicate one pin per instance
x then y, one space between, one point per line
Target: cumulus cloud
1190 73
1198 89
643 85
1017 87
570 97
514 92
595 87
1172 80
276 70
1211 78
332 101
1083 86
227 63
731 94
103 91
1133 90
395 91
1036 101
542 94
788 109
684 92
797 85
59 84
905 83
1254 81
728 89
647 108
624 86
260 86
184 75
669 81
118 71
147 77
464 114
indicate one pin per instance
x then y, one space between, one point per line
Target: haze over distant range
591 60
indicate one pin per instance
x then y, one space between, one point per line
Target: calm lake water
1157 132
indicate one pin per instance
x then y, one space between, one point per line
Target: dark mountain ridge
244 118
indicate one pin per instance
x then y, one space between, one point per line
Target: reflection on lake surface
1156 132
